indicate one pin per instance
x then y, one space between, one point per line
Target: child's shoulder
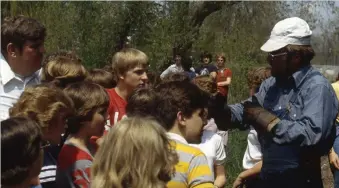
187 150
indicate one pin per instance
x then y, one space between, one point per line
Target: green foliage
237 142
97 29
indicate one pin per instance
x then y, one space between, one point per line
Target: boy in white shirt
212 143
252 161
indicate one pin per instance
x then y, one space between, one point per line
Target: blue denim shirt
307 107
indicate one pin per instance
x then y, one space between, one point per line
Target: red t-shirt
74 166
117 107
222 76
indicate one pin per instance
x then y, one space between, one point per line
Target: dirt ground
326 173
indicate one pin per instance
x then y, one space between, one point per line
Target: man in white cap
294 110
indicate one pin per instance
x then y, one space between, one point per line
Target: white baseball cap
293 31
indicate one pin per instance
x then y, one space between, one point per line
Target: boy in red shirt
223 79
129 69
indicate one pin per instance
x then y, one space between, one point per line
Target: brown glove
258 117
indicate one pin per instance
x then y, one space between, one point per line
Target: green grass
237 142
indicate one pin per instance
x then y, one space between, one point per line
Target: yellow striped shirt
192 169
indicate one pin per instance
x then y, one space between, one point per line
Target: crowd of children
114 127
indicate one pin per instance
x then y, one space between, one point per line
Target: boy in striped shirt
182 111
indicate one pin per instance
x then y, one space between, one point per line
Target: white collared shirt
171 69
11 86
213 148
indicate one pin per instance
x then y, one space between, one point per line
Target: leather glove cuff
266 120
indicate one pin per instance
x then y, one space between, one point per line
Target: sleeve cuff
272 125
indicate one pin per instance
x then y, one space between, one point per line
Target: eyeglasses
272 56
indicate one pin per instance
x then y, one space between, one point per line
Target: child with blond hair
136 153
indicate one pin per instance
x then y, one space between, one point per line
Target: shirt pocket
294 111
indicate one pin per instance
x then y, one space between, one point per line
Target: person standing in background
174 68
22 49
223 80
224 77
207 68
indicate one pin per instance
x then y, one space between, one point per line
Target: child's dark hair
88 98
142 102
178 96
20 148
206 55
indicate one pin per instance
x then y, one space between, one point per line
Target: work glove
255 115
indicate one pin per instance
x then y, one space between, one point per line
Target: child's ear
181 119
11 50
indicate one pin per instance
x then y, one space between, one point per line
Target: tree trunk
204 9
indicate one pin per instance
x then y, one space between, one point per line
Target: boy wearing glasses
294 110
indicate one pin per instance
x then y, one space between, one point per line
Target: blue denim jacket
307 107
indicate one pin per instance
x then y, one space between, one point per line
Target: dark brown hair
88 98
142 102
178 96
20 148
305 51
18 30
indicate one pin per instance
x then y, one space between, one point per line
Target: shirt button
308 181
294 115
279 107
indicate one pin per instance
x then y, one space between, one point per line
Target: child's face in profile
136 77
97 125
194 126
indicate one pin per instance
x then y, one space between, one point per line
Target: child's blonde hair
135 153
43 104
62 71
127 59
